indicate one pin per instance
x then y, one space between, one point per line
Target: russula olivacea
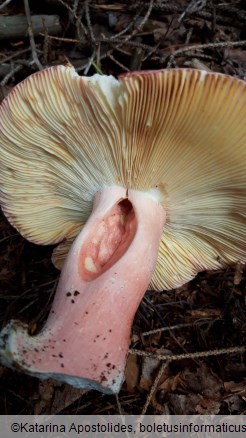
142 181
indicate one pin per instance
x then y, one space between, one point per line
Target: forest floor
202 323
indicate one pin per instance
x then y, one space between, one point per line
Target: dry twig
4 4
31 37
153 388
196 355
195 47
9 75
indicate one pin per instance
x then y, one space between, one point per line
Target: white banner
171 426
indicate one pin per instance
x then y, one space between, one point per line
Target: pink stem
86 337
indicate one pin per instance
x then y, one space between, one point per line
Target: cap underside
64 137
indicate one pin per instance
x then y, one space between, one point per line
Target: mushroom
140 180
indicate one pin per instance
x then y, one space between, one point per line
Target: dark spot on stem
102 378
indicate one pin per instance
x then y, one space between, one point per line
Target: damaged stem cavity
86 337
108 240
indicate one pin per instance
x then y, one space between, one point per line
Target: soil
206 315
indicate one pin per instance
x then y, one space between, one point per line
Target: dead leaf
235 404
149 367
131 373
54 397
237 56
238 388
208 407
184 404
238 270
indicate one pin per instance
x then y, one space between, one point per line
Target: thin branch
88 65
10 74
122 66
66 5
14 55
75 16
2 6
64 40
209 46
128 27
75 6
196 47
79 25
9 237
31 37
192 8
153 388
121 414
145 18
196 355
172 327
46 44
138 28
88 19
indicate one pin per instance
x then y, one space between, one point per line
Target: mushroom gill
140 180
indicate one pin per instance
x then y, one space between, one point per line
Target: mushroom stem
108 269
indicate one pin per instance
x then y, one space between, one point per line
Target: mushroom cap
178 134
